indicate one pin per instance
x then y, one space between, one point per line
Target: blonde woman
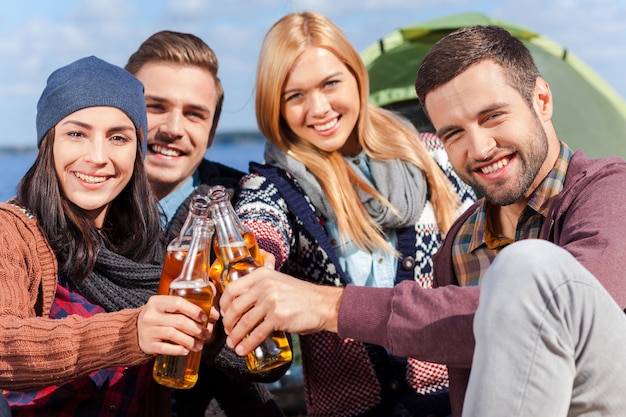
349 194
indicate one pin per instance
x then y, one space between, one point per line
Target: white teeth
326 126
90 178
494 167
164 151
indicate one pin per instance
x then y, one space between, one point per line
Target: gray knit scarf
401 183
117 282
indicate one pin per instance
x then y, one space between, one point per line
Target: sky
39 36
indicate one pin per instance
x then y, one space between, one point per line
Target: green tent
589 114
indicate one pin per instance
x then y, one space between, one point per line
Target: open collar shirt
172 202
372 269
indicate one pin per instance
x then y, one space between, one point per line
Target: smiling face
181 102
320 102
495 141
94 153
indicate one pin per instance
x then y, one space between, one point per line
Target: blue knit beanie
90 82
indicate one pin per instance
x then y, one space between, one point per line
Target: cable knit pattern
341 376
37 351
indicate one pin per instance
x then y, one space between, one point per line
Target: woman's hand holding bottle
171 325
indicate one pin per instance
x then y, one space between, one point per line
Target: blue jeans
550 340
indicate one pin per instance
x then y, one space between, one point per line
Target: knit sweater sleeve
37 351
262 209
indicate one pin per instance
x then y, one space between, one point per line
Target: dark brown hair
465 47
132 226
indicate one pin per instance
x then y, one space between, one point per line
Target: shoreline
222 137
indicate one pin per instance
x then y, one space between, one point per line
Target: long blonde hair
381 135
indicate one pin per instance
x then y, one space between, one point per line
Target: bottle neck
197 258
219 197
229 231
230 239
198 209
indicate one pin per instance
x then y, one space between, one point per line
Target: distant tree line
239 136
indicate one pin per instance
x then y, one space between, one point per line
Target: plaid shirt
476 244
108 392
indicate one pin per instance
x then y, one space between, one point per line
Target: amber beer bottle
218 195
193 284
238 262
178 247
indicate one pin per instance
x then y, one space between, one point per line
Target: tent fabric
588 113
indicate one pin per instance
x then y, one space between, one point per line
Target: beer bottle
238 262
178 247
218 195
194 285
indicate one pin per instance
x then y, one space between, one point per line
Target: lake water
13 165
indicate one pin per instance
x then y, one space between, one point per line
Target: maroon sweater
435 325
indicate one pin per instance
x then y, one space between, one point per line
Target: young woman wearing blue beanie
80 257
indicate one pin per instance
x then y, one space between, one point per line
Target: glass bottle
233 251
178 247
218 195
194 285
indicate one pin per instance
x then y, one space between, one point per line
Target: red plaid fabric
426 377
342 381
114 391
